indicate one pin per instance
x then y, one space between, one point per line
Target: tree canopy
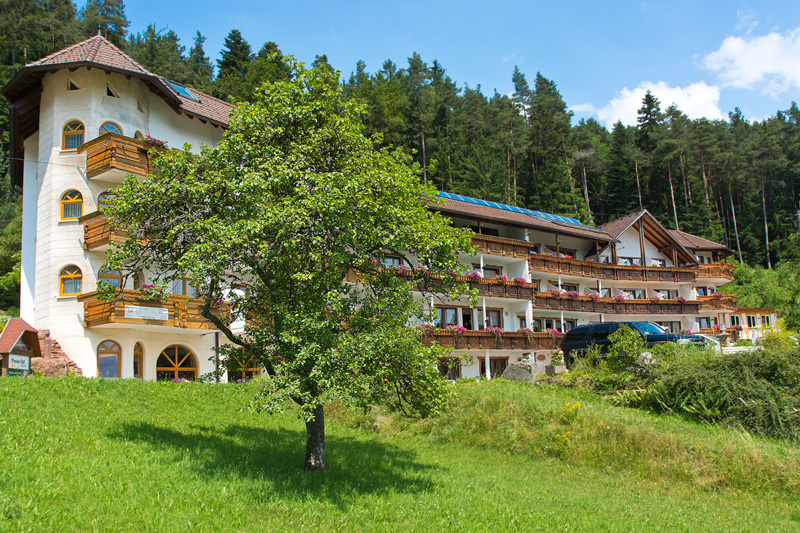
294 206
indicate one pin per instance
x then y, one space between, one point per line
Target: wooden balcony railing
592 269
127 308
721 303
114 156
98 232
486 340
716 270
486 244
584 304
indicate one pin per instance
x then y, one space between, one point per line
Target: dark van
578 339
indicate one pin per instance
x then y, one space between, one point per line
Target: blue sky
707 56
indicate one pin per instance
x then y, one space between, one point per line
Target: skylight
183 90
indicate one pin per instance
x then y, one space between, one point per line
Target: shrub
626 345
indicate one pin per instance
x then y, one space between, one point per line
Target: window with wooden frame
489 271
104 199
604 293
392 260
497 365
736 320
138 358
569 288
566 252
113 278
483 230
751 321
137 281
176 362
70 281
636 294
182 287
765 321
541 324
449 367
241 367
672 326
71 205
705 322
494 318
73 135
446 316
109 359
629 261
110 127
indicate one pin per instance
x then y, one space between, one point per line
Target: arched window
104 199
138 134
241 367
112 277
138 357
71 205
110 127
109 358
137 281
73 135
176 362
69 282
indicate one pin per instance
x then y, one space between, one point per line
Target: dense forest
733 181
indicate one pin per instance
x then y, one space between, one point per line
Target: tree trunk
585 185
685 185
672 194
733 215
638 187
315 441
766 228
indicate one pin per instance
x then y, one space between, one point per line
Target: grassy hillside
137 456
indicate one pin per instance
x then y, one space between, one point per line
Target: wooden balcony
722 271
98 234
111 157
126 308
718 303
486 244
591 269
486 340
584 304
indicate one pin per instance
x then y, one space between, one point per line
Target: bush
626 346
755 391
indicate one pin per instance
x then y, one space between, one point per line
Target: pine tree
106 16
200 72
161 53
232 68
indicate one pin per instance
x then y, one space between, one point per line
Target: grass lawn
94 455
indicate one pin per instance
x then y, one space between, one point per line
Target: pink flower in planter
455 328
574 294
474 275
556 292
496 331
595 297
427 329
717 294
521 281
501 278
620 297
681 299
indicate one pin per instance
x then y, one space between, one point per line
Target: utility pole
797 221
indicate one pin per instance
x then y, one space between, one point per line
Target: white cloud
745 21
696 100
584 109
770 62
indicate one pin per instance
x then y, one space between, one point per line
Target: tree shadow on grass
354 466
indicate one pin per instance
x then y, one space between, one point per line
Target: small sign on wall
19 365
146 313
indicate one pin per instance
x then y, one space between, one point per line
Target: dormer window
73 135
111 92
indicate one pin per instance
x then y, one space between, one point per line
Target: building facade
87 116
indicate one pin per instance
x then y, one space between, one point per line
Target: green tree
106 16
292 202
232 68
160 52
200 73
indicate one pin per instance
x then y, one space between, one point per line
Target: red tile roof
697 243
99 52
493 213
15 329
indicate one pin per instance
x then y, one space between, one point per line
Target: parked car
580 338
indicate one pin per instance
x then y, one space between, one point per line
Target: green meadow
95 455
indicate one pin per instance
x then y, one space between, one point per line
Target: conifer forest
734 181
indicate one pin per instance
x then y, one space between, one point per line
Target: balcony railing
721 303
716 270
113 156
486 340
486 244
593 269
585 304
127 308
98 233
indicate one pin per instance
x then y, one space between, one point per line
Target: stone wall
53 362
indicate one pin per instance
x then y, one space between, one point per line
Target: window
541 324
241 367
494 317
672 327
704 291
137 281
636 294
569 324
182 287
751 321
392 260
522 322
138 357
629 261
670 294
71 86
765 321
71 205
490 271
176 362
601 332
113 278
111 92
70 281
656 262
568 288
483 230
73 135
736 320
449 367
497 365
604 293
705 322
110 127
566 252
105 199
445 316
109 356
183 90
